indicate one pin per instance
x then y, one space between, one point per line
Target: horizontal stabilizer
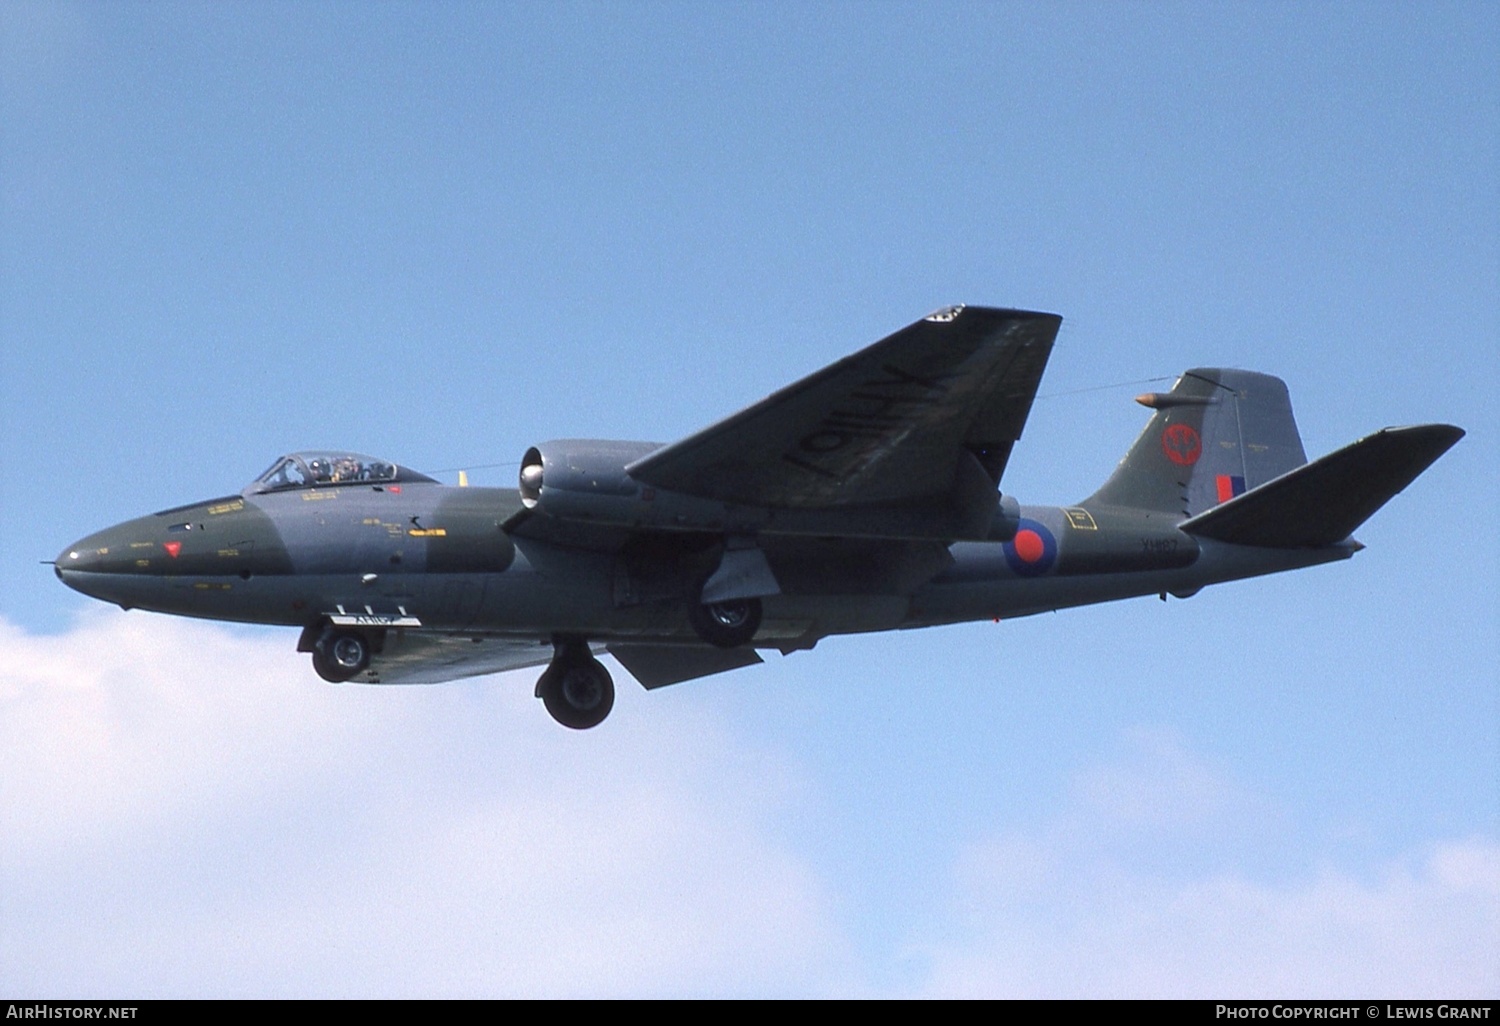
656 666
1322 502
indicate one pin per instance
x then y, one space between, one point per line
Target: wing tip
955 311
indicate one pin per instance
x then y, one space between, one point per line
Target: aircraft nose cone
76 563
90 555
74 566
107 566
100 563
76 558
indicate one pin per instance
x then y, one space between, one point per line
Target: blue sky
442 233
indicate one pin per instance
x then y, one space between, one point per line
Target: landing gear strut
339 656
727 624
576 688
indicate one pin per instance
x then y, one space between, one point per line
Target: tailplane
1216 435
1323 502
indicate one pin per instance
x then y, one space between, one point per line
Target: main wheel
341 655
577 691
726 624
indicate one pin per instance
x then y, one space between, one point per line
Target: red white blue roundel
1032 551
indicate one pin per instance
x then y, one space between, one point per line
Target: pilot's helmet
320 469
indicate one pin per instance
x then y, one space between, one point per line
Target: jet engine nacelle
579 468
585 480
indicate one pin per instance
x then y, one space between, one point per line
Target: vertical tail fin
1215 435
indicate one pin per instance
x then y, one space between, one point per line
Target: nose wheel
339 656
576 688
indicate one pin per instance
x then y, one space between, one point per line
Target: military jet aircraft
865 497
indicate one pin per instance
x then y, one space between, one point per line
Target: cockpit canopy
324 469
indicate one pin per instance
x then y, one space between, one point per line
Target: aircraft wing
908 422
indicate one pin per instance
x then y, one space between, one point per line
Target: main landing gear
339 655
576 688
727 624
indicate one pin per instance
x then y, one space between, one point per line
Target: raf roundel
1032 551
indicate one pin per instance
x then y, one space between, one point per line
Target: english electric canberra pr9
865 497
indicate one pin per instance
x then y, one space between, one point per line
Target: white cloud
1082 908
187 810
1157 781
1105 931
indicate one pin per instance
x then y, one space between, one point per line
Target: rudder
1217 434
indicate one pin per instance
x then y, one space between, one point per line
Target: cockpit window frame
299 471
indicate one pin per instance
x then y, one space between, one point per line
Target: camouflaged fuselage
435 556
